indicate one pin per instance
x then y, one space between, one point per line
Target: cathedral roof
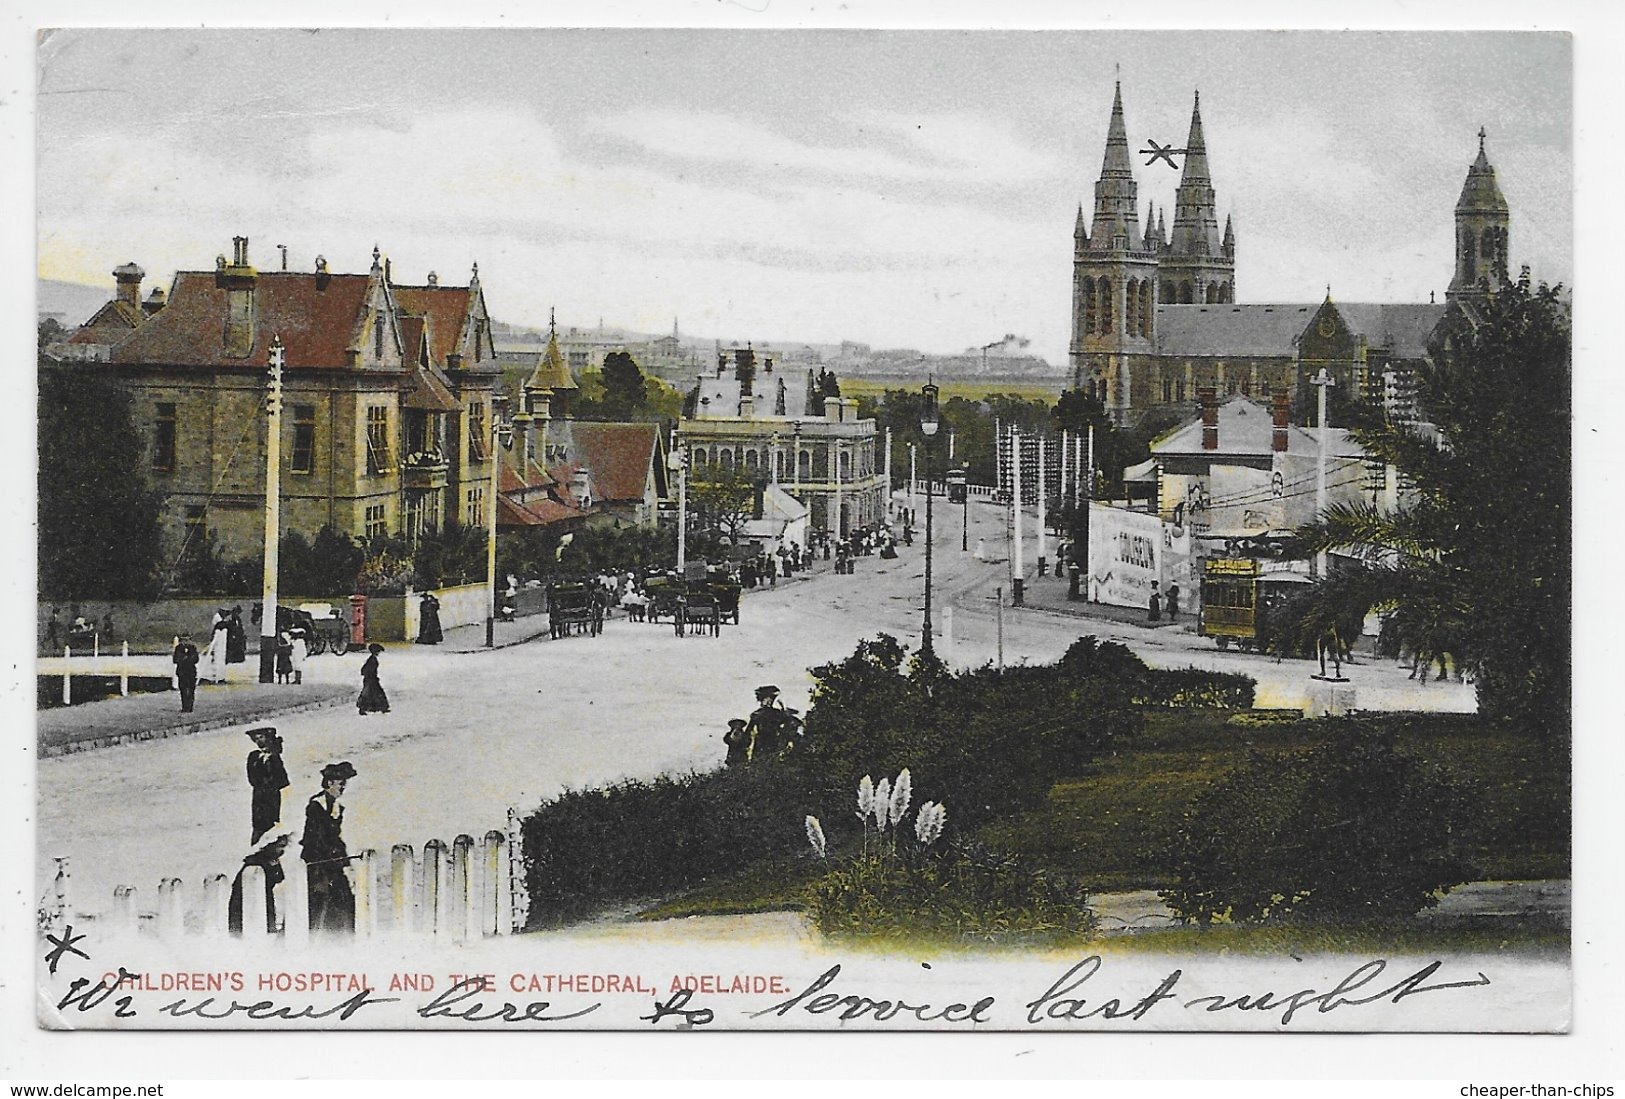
1239 330
1402 329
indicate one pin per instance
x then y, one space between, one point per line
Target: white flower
866 798
815 836
882 807
928 822
900 791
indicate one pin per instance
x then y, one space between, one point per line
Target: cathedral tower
1198 265
1481 232
1114 269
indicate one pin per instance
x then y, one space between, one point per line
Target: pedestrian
214 670
107 627
772 571
372 699
284 657
332 901
298 638
53 633
1171 602
738 742
185 658
1155 612
236 638
766 726
429 632
268 859
267 778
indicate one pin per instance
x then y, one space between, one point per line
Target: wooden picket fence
463 891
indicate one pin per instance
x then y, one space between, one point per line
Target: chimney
1210 418
156 299
129 279
832 409
1278 441
238 279
284 249
322 275
747 407
434 279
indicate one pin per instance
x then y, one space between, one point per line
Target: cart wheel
1224 642
341 644
318 645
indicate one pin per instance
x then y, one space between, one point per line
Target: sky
902 188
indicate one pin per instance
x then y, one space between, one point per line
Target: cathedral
1155 317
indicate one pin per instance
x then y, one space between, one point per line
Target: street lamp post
928 428
964 502
1321 382
501 435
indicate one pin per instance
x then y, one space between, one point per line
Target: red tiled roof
446 309
316 316
511 513
111 323
616 455
428 392
519 474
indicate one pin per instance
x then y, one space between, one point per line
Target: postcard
879 530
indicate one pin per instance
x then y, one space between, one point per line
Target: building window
378 335
379 458
578 360
477 432
1167 390
163 439
475 515
376 525
1230 386
1179 391
196 543
304 438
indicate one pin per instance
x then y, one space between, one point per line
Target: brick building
386 424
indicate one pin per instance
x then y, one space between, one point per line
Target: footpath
1048 593
139 717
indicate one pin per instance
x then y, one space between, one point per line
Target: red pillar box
358 620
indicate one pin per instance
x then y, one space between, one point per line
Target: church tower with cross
1481 232
1198 265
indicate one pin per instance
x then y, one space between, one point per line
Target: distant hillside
72 303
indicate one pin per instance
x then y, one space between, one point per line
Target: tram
1237 598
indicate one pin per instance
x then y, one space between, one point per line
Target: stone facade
387 405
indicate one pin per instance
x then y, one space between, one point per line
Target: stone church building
1155 315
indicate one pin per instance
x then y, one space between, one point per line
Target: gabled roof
446 308
1402 329
428 392
317 317
1220 330
533 513
617 455
112 322
1247 429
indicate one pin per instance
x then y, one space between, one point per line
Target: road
472 734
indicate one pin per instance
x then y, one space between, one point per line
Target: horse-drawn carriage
326 630
693 606
574 608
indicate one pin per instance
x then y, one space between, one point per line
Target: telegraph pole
1043 490
1018 579
491 535
1322 382
273 513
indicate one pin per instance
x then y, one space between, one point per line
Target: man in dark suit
185 658
332 901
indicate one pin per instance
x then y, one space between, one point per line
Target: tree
99 535
722 502
624 389
1476 561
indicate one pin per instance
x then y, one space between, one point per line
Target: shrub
591 849
1349 830
1167 688
907 882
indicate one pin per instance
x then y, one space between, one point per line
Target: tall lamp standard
928 428
964 510
501 436
273 511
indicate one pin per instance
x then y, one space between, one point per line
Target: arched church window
1187 294
1469 260
1088 307
725 459
1131 304
752 461
1147 304
1105 288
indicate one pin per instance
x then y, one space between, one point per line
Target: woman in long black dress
429 632
236 638
267 777
268 859
373 700
332 901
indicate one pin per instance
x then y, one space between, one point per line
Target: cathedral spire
1080 231
1195 149
1229 237
1117 164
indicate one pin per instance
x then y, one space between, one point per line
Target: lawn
1109 827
